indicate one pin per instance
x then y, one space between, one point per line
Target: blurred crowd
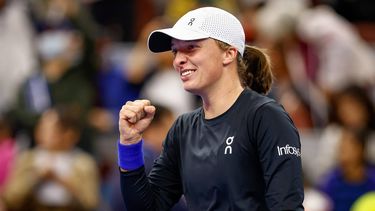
67 67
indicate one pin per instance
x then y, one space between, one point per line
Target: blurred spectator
18 58
343 57
321 51
55 175
60 80
116 83
350 108
353 108
297 108
353 176
361 13
113 86
68 14
153 139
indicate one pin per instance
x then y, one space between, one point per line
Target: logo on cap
191 21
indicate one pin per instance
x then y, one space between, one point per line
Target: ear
229 55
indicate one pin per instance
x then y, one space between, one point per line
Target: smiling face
199 64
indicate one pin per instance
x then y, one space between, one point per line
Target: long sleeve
279 151
162 188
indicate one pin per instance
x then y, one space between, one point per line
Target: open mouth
185 73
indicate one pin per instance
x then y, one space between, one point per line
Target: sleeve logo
288 150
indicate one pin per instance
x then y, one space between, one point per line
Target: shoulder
258 107
254 100
188 118
271 116
261 107
272 109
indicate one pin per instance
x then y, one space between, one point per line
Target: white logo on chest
228 148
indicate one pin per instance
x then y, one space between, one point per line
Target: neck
217 102
219 96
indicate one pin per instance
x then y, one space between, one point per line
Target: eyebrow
187 42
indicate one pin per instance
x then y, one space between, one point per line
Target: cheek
206 58
212 67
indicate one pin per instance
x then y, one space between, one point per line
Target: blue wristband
130 157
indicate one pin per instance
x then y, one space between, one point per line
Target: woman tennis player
239 151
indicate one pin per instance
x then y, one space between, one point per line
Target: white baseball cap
201 23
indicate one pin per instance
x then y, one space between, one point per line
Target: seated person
55 174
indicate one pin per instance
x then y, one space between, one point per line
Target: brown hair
68 116
254 68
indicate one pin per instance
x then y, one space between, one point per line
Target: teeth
187 72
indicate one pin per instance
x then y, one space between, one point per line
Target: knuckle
143 102
147 102
129 103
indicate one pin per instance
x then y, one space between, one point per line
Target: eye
191 47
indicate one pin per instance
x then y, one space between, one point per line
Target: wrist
130 156
130 140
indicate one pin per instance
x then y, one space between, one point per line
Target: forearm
285 188
135 186
136 190
160 191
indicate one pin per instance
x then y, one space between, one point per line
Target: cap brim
160 40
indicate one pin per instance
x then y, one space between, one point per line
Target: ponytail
254 69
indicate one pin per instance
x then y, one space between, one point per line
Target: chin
191 89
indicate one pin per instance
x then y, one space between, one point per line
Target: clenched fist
135 117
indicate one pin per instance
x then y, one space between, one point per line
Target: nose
179 60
